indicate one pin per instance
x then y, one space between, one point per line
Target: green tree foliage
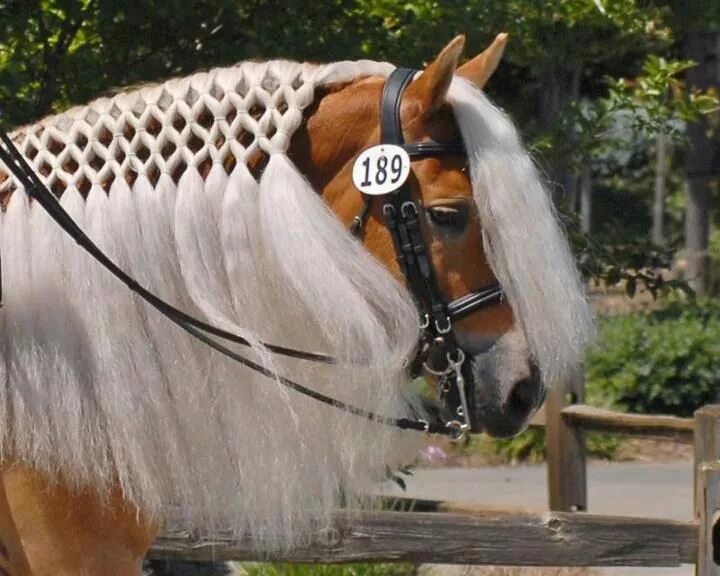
546 32
656 101
571 67
616 134
54 53
553 43
57 52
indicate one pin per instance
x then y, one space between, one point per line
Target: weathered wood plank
707 488
407 504
708 563
707 438
645 425
549 539
565 451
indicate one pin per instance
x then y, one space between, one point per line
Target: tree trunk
661 166
697 233
560 87
703 48
586 197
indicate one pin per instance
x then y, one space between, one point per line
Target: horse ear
479 69
432 85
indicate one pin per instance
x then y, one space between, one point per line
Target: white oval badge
381 169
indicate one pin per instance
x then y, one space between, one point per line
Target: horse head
505 382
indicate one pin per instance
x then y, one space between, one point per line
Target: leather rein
402 217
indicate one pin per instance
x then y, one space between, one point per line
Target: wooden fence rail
549 539
594 419
568 451
555 538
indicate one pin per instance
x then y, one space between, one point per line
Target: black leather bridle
402 218
439 352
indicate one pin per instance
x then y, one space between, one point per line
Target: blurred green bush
530 446
663 362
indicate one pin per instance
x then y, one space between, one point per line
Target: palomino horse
230 195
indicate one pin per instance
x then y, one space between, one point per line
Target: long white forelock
101 387
524 243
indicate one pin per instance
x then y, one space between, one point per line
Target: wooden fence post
567 482
707 489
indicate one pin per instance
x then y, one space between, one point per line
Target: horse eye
449 217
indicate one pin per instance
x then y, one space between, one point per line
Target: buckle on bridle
440 329
356 226
459 430
409 208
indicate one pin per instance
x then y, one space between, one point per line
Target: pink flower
433 454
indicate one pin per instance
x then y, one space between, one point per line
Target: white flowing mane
101 388
524 243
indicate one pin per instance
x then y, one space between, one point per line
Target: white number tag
381 169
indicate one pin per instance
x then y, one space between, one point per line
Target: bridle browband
401 215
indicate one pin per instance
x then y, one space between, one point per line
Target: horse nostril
524 396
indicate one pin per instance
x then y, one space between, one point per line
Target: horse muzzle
503 407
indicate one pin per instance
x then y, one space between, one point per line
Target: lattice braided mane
226 115
98 387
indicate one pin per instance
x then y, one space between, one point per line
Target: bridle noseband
402 217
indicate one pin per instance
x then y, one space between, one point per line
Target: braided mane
99 388
226 116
